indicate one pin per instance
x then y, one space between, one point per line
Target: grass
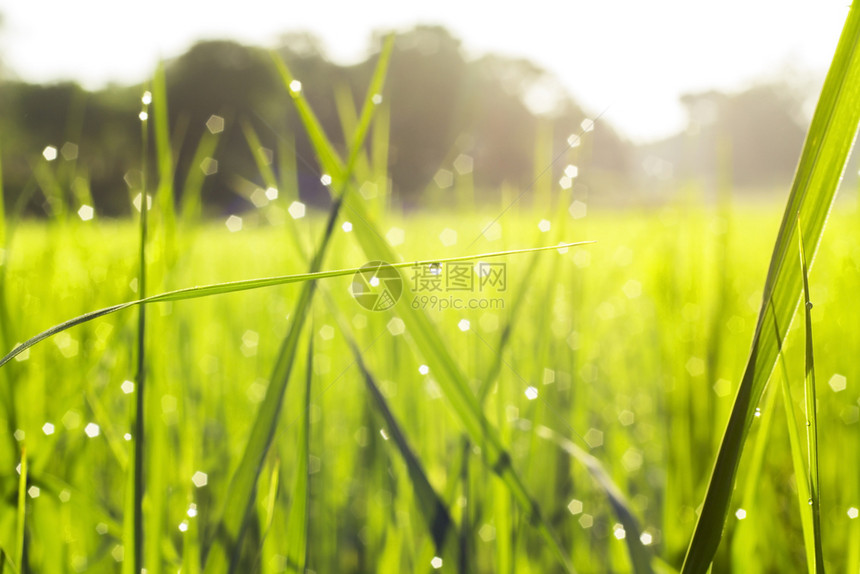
572 429
354 477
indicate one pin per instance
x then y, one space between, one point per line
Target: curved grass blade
246 285
811 414
640 557
825 151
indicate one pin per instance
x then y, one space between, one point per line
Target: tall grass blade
138 438
230 529
799 468
246 285
297 522
825 151
811 413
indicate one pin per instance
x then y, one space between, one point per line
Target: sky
628 60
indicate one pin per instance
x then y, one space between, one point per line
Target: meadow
279 425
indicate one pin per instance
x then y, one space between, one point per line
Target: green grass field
605 408
634 344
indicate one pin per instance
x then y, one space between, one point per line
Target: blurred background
713 96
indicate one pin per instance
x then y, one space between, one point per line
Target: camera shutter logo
377 286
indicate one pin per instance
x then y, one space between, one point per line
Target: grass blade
262 162
799 469
640 558
245 285
811 413
230 529
825 151
140 378
297 522
452 381
191 203
435 512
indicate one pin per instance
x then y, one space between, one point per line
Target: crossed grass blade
825 151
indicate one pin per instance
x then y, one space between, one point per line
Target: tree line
440 106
